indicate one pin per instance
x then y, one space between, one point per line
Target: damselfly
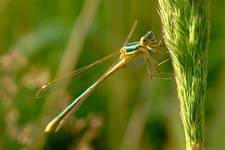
145 47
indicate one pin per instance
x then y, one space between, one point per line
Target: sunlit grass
186 33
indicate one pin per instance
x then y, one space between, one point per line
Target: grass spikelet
186 26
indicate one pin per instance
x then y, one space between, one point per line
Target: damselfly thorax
132 50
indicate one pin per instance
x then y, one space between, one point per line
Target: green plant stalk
185 26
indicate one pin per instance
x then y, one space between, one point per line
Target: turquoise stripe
132 47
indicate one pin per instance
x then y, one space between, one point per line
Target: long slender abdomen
56 123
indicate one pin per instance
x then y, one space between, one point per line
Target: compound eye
150 35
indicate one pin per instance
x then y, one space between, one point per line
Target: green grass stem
186 26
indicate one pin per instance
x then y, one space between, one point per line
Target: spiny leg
151 63
157 75
150 66
163 76
161 44
163 62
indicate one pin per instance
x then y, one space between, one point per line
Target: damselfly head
149 35
148 40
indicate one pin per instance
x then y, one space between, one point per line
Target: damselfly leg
154 71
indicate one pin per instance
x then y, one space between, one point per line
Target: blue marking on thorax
132 47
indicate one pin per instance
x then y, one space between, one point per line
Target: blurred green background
43 39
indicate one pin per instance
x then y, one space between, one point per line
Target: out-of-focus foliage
128 111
